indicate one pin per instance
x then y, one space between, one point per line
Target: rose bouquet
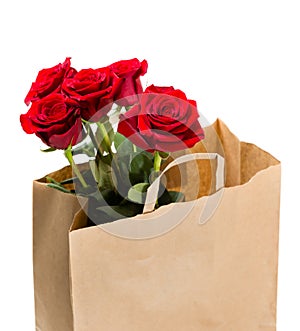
116 136
120 139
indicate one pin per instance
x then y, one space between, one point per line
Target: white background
239 59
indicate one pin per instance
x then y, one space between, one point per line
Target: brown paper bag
210 271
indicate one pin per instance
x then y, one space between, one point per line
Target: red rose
129 71
164 120
48 81
55 120
93 89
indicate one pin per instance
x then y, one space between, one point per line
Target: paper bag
216 272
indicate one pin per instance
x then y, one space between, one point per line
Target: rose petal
63 140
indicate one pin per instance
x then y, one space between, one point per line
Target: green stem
157 161
105 137
69 156
156 167
99 150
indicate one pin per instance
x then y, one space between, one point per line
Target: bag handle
152 192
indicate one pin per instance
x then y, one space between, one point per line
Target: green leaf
52 180
110 197
164 155
164 197
124 147
47 150
140 168
86 148
94 170
105 135
170 196
105 173
93 195
59 188
105 214
120 167
86 191
118 140
176 196
69 181
137 193
66 181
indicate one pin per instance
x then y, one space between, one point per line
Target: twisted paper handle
152 192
